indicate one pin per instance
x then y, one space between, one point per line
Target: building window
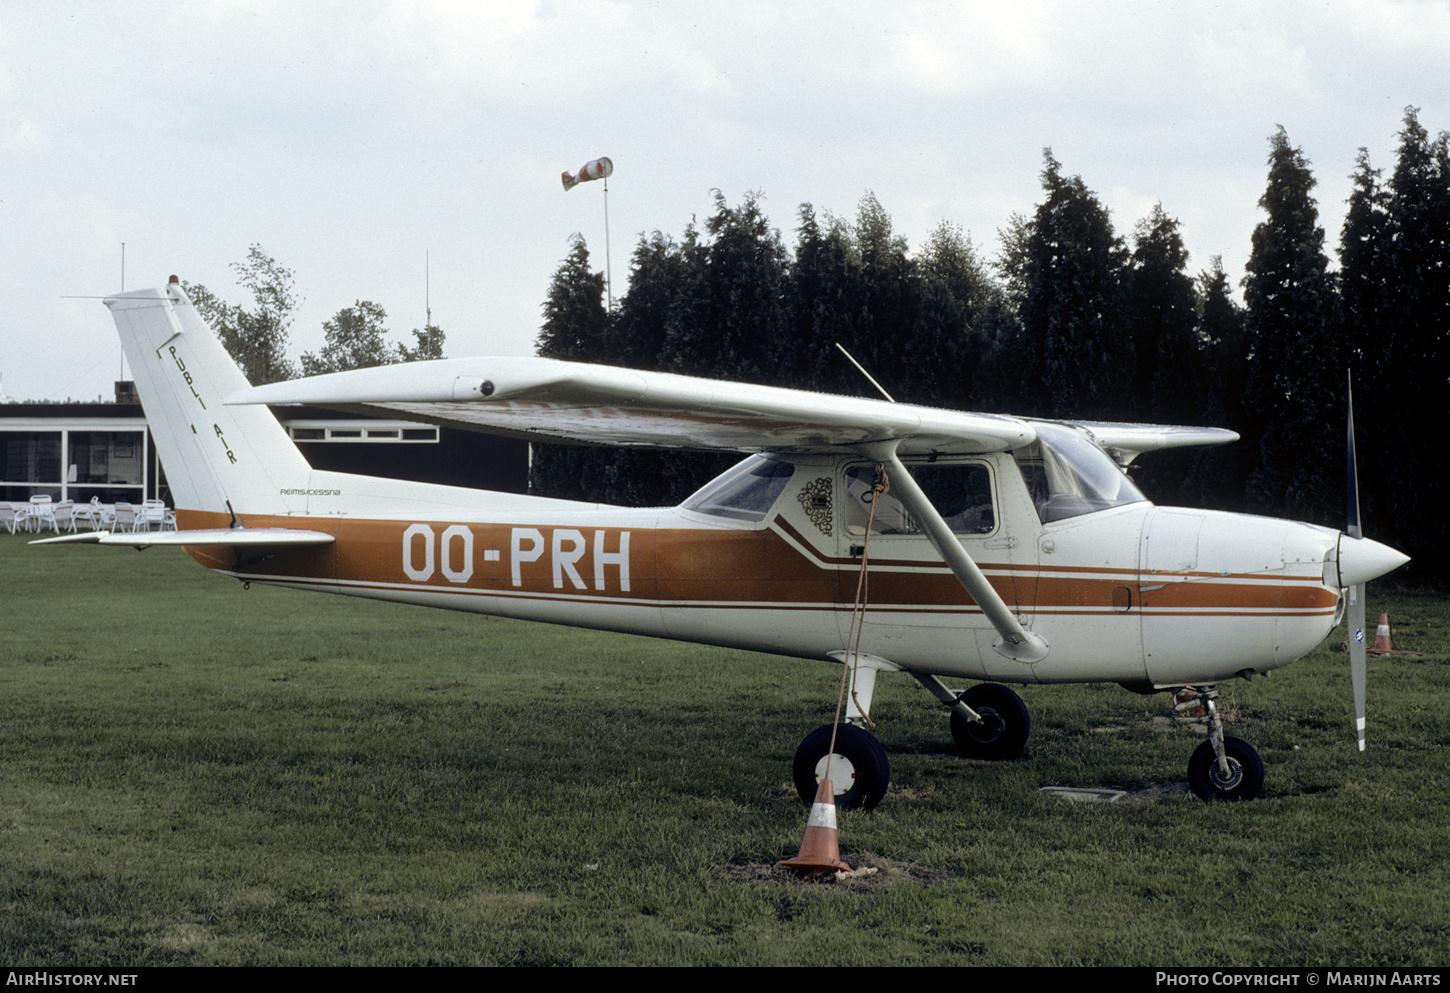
73 465
351 431
30 457
106 457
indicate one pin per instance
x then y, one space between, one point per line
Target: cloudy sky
356 139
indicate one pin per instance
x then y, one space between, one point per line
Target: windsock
600 168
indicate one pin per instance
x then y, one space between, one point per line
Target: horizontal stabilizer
206 536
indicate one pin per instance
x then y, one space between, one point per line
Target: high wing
1125 442
571 402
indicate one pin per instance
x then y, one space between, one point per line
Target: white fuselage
1132 594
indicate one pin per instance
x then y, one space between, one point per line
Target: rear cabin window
962 494
744 493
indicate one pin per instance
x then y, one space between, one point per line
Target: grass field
197 774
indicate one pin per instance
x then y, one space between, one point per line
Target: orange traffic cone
1381 644
820 852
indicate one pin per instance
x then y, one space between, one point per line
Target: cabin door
917 612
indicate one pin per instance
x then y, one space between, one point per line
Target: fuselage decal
425 552
186 377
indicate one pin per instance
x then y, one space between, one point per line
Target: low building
76 451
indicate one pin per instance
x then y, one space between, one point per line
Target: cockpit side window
962 494
744 493
1068 476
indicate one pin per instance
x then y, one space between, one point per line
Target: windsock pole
608 266
600 168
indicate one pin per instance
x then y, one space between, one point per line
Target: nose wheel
1243 779
1224 768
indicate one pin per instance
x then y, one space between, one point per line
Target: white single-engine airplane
999 548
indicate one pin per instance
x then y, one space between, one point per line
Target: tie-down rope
880 484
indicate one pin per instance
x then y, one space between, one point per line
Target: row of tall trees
1395 303
1071 320
257 338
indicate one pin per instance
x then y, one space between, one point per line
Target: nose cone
1360 560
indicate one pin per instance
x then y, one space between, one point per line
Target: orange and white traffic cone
820 851
1381 644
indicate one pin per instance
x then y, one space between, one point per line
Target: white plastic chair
42 516
38 512
83 513
123 517
63 514
10 517
102 517
151 515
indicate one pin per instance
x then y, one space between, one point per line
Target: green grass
196 774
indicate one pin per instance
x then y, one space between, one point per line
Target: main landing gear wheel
1245 779
1004 726
859 771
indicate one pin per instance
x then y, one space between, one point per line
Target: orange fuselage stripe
715 567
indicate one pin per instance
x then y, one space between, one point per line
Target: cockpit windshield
1069 476
744 493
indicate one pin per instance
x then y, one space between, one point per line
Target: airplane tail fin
217 458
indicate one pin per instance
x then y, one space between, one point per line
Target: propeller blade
1357 650
1351 474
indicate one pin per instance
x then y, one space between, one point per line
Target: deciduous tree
256 339
428 344
356 338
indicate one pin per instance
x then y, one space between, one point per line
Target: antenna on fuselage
880 389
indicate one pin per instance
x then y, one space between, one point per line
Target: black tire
1004 727
860 770
1246 772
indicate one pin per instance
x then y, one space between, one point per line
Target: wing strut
1016 642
